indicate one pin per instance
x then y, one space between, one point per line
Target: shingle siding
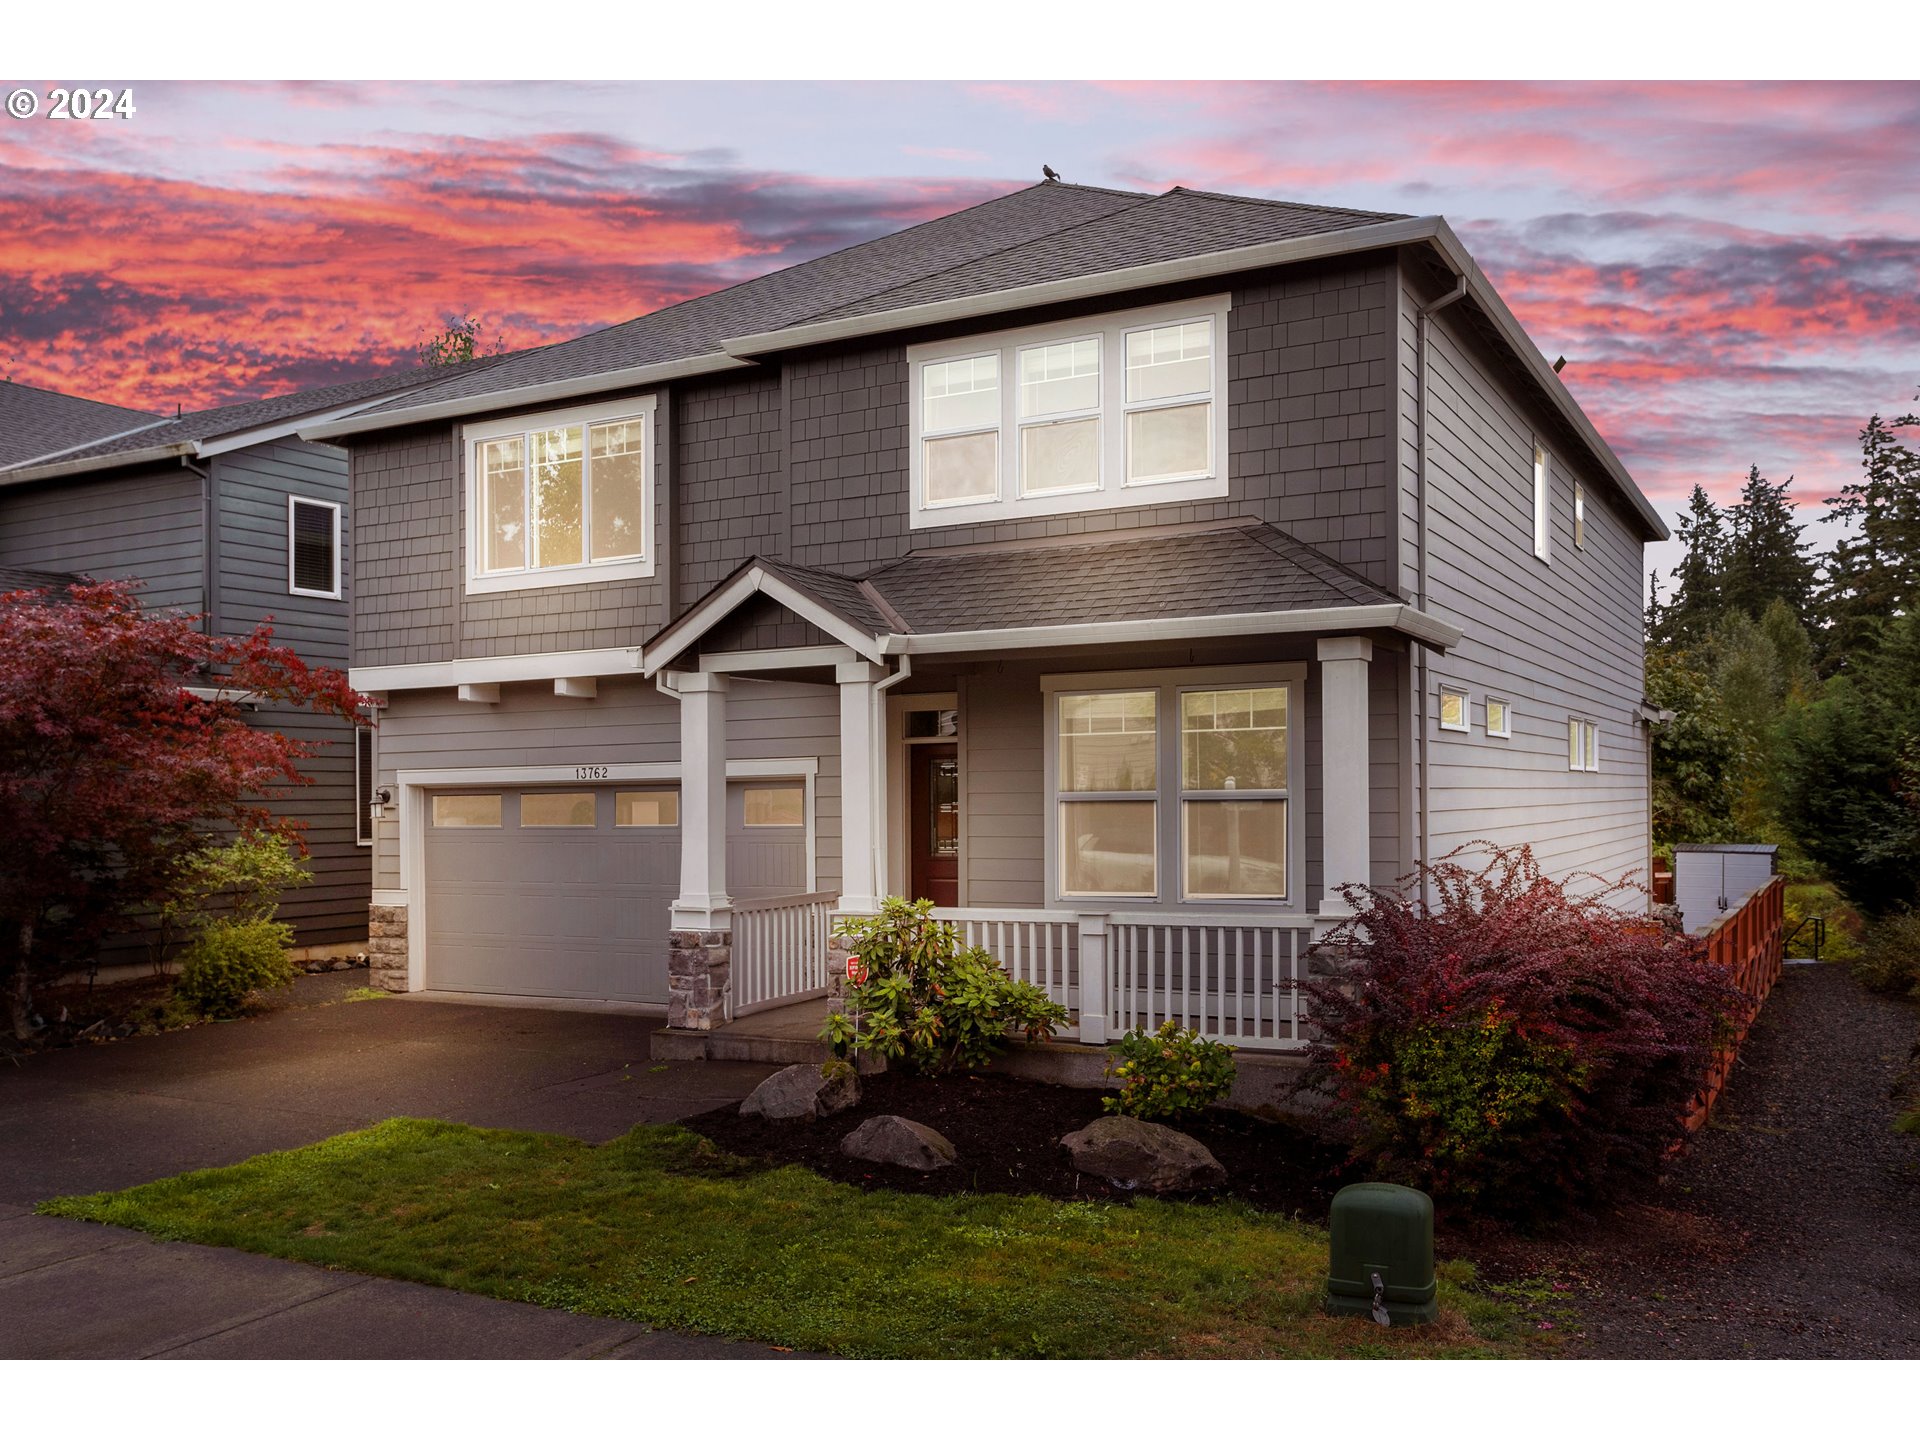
406 533
730 496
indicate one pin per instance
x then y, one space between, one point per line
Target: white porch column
1346 836
860 820
703 902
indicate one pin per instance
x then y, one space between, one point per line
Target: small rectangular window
1499 719
313 548
541 809
1542 507
1453 709
646 808
363 785
1592 732
1579 516
775 805
466 812
1583 745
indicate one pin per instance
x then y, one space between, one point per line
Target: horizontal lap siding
253 485
630 722
1555 639
145 526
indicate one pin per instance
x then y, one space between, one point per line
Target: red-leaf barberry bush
1511 1045
113 774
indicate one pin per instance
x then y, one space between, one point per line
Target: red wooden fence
1750 946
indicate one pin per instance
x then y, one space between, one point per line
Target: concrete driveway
105 1117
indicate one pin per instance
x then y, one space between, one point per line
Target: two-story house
228 514
1126 573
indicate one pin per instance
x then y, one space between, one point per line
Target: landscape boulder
801 1092
896 1140
1137 1155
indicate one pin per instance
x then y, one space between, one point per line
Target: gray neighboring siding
630 722
1556 639
1003 735
251 557
144 526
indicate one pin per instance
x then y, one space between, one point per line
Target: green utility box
1381 1255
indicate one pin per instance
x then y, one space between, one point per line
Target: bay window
1109 411
1175 788
560 499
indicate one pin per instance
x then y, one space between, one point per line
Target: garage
564 891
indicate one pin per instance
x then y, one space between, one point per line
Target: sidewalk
71 1290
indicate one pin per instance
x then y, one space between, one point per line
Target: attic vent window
313 548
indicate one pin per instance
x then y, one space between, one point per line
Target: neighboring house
1123 572
225 513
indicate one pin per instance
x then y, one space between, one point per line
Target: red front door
933 823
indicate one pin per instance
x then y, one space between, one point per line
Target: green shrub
228 961
1167 1073
1889 959
926 998
1844 926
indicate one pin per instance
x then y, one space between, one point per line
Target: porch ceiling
1238 577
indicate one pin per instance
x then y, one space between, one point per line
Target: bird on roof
1049 172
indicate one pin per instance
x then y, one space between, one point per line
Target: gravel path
1791 1227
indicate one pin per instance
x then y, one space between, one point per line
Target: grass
364 992
660 1228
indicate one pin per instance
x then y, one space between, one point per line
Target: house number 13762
590 772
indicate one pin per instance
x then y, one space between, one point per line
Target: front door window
934 823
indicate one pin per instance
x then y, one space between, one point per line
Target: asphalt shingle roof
799 292
1241 567
36 422
254 414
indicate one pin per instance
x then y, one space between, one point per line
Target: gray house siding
144 526
1555 639
252 487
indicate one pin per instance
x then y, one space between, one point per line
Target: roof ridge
69 395
1289 204
1143 198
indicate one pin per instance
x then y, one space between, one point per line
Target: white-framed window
560 498
1108 411
1542 503
1583 744
1499 719
1175 786
313 547
363 773
1579 516
1456 709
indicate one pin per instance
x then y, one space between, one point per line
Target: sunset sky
1730 268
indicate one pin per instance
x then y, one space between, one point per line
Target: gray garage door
564 892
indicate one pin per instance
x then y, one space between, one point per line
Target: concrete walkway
105 1117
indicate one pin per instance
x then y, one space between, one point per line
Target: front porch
1151 819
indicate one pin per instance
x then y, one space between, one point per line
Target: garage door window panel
771 805
546 809
646 809
466 812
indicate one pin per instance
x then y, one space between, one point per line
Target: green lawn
659 1227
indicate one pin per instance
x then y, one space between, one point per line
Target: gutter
1402 618
98 462
39 460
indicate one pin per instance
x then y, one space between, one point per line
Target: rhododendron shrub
1509 1046
112 773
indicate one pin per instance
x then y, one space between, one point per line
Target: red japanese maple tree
111 770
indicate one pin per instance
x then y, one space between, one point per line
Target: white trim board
1404 618
754 580
496 669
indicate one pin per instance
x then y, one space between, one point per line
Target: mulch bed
1007 1133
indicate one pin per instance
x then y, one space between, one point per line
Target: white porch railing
779 951
1234 978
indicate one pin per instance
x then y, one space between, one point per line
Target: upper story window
1579 516
1116 410
1542 503
561 498
313 548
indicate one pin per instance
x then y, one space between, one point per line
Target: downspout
1422 314
209 561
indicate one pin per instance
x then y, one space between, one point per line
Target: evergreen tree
1874 573
1766 560
1697 578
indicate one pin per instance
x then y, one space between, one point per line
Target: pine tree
1874 573
1766 560
1697 600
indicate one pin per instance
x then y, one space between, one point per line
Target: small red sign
856 970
